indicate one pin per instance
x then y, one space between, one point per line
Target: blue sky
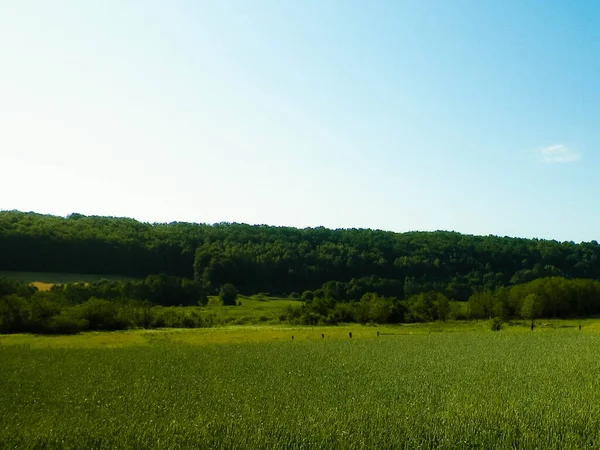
476 116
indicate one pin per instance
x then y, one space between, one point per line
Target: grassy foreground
467 389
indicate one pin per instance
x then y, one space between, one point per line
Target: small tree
228 294
443 307
532 308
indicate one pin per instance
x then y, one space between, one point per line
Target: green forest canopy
260 258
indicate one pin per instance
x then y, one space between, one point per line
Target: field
427 386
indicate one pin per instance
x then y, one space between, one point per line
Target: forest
342 275
282 260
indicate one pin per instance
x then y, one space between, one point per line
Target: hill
282 259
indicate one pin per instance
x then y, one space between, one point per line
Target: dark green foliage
228 294
8 286
104 305
13 313
496 324
344 275
157 289
545 297
280 259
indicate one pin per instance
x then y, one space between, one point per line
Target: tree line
551 297
281 260
104 305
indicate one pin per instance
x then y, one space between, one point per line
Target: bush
214 302
496 324
189 322
228 294
13 314
101 314
65 323
172 318
308 296
158 322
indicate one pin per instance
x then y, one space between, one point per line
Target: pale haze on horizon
481 117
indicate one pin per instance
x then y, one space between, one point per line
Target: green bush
496 324
66 323
14 312
228 294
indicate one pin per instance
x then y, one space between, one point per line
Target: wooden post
378 334
322 335
292 337
350 335
579 327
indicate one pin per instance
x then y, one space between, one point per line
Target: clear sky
479 116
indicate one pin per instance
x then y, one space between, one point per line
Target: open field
277 333
251 310
410 388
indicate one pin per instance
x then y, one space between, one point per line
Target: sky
476 116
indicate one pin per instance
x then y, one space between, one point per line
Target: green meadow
251 382
427 386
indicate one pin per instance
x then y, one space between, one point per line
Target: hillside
282 259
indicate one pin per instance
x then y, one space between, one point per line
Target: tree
443 307
13 314
481 305
532 307
228 294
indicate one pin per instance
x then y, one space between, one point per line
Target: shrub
66 323
496 324
13 314
228 294
214 302
308 296
189 322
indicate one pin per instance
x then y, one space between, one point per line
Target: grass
251 310
232 334
176 390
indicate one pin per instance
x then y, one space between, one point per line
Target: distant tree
13 314
228 294
482 305
443 307
532 307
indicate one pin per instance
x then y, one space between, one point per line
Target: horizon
472 117
294 227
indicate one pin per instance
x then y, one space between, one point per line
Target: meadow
424 386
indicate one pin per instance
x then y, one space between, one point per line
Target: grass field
461 386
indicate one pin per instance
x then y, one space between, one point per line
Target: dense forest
346 275
281 260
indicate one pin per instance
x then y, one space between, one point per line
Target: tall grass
465 390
